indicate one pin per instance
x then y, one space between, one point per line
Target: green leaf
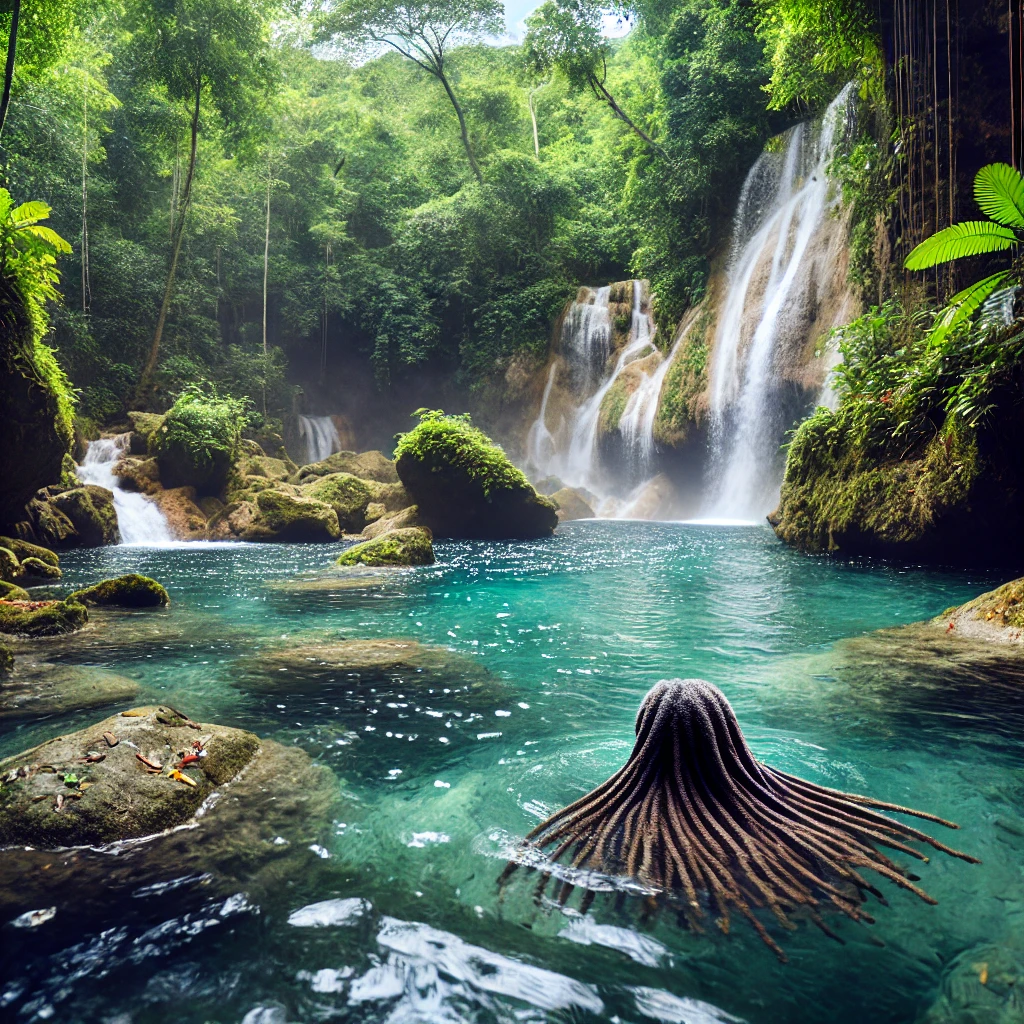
999 190
29 213
971 238
962 306
49 236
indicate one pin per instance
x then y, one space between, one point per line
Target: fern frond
28 213
49 236
962 306
971 238
999 191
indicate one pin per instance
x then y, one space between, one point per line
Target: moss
39 569
263 465
23 549
685 382
613 405
371 465
440 440
12 592
10 567
410 546
346 494
130 591
1003 606
91 511
289 518
42 618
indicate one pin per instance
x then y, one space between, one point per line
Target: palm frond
999 191
962 306
971 238
28 213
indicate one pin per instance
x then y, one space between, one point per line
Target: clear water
572 630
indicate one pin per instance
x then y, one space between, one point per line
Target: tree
566 36
217 49
999 191
423 31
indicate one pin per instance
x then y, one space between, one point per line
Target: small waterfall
138 517
785 203
320 436
571 451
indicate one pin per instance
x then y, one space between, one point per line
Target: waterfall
321 437
138 517
776 272
572 452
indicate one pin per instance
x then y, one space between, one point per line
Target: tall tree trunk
85 196
533 121
266 266
12 46
462 125
178 232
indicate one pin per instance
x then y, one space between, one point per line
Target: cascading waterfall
139 519
320 436
783 206
571 451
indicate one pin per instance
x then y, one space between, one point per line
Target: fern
971 238
962 306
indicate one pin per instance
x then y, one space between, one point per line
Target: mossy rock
12 592
10 567
23 549
49 524
411 546
42 618
129 591
6 659
91 511
372 465
121 799
346 494
394 497
264 465
572 504
144 424
403 519
285 517
36 568
465 485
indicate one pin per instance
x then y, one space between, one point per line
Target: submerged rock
80 788
410 546
981 986
41 618
129 591
37 688
465 486
571 505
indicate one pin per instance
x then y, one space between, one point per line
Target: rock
36 568
23 549
6 660
130 591
185 519
39 688
91 512
198 442
123 800
996 616
657 500
571 505
35 414
372 465
308 667
139 474
346 494
41 618
465 486
394 497
12 592
411 546
374 511
549 485
233 521
210 506
144 424
404 519
981 986
263 465
10 567
283 517
49 524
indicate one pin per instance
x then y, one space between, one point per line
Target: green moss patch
42 618
409 546
346 494
288 518
130 591
22 549
12 592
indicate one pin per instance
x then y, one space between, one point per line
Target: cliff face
36 433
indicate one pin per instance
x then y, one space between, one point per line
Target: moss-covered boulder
41 618
37 569
139 474
10 567
372 465
59 798
35 409
91 511
144 425
233 522
265 466
394 548
284 517
12 592
572 504
465 485
48 524
346 494
404 519
23 549
129 591
995 616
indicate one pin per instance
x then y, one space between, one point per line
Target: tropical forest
509 512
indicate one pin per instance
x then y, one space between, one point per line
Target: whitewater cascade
138 517
571 451
320 436
778 271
